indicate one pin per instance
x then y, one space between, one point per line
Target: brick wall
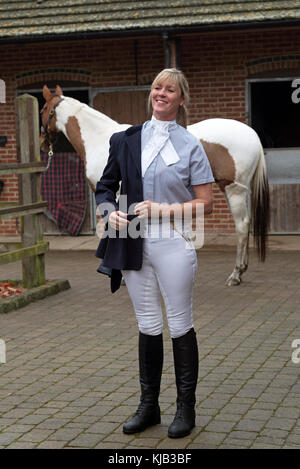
216 65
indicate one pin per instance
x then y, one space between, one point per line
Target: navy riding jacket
124 165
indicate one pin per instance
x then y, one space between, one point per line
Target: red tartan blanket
64 187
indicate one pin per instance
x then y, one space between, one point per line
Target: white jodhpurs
169 268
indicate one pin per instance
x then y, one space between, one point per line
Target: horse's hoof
232 282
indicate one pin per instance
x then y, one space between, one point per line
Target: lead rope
50 154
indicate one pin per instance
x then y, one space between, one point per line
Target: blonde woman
164 172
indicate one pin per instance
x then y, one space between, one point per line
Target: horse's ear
46 93
58 90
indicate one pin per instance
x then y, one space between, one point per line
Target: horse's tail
260 206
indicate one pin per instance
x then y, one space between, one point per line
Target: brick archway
273 65
53 75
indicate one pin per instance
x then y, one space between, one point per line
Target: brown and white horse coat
233 149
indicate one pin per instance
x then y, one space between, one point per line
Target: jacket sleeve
108 186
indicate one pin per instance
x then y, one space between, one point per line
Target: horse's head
49 129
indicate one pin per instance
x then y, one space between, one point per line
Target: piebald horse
234 150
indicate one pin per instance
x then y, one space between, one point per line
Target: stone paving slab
71 374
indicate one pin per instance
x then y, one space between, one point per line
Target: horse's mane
92 112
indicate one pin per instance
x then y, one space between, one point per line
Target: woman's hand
203 196
118 220
147 208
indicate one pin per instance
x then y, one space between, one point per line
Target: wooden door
283 169
125 107
285 208
275 116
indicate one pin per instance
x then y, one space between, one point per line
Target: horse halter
45 130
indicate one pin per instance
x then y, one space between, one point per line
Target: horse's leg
237 198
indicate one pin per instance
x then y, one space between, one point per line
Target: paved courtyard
71 376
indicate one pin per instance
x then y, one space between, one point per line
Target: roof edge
148 31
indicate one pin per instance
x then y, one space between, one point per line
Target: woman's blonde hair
179 80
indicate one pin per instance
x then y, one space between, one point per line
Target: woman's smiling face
166 98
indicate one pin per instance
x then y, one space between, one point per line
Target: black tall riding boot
150 364
185 351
